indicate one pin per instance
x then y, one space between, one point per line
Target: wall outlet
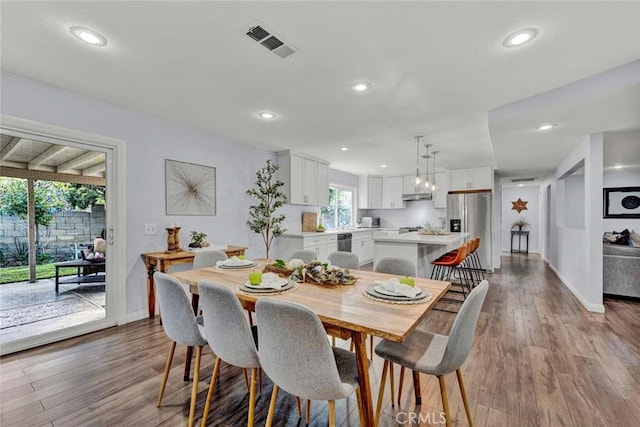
150 229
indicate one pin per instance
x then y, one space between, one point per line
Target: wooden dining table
344 310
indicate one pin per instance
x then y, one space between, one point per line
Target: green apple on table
255 278
407 281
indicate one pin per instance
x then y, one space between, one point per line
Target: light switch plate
150 229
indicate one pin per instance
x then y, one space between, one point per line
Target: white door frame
115 225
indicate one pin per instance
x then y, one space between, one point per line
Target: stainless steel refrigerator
471 213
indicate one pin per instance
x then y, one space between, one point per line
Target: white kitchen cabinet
321 244
392 189
440 196
306 179
471 179
362 246
323 184
369 192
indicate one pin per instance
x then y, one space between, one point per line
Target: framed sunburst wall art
190 188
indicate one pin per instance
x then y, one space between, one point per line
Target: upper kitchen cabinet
471 179
440 196
392 190
369 192
306 179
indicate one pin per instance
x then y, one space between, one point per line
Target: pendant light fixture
417 179
426 157
434 186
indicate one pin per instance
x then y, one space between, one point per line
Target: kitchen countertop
334 231
425 239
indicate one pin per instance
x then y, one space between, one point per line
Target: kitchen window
341 209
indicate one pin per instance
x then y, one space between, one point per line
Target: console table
162 261
520 235
80 278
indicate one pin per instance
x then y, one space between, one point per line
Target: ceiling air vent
257 33
523 179
270 41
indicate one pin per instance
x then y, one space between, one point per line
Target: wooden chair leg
272 406
167 367
351 346
299 406
391 383
445 401
360 412
381 391
194 389
401 383
307 417
212 387
246 378
252 397
463 391
332 413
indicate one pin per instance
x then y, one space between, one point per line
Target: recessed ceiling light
617 167
360 86
383 166
520 37
520 185
547 126
267 115
88 36
345 149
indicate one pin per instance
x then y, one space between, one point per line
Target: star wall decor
519 205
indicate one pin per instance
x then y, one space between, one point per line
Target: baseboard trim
137 315
595 308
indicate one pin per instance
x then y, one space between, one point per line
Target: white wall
149 141
529 194
576 254
416 213
622 148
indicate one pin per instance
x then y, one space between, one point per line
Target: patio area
28 309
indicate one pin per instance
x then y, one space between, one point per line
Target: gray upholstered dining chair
181 327
395 265
344 259
208 258
296 355
436 354
230 337
305 255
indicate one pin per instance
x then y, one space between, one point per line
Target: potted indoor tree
262 216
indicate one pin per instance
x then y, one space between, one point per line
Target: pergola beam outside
9 148
52 176
83 158
46 155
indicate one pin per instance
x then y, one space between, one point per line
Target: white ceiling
438 69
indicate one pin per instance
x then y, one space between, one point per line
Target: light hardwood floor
539 358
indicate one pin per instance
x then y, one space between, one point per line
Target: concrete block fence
69 231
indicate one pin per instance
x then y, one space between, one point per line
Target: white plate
238 267
281 281
379 289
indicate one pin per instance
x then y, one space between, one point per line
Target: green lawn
21 274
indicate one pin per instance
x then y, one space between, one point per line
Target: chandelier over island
425 183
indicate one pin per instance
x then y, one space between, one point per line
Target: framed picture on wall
190 188
622 202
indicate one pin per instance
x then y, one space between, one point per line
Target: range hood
416 196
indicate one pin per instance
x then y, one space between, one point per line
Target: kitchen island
419 248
